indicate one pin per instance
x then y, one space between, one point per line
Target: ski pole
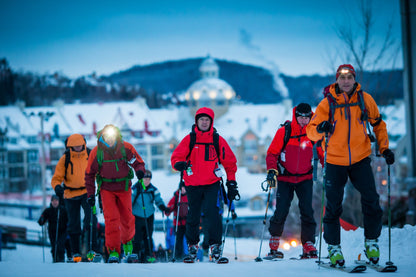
43 243
56 237
389 262
259 259
91 254
145 220
177 217
226 228
235 241
322 198
166 235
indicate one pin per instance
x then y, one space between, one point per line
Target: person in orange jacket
72 176
343 116
111 164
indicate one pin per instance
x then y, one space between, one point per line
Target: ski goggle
309 114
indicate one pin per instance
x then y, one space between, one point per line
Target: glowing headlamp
344 70
110 135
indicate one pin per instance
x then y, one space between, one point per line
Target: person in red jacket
111 163
203 176
180 220
291 167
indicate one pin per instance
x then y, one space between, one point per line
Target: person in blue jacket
144 198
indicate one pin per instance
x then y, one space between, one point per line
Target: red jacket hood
207 111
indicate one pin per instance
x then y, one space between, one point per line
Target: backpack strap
68 162
215 140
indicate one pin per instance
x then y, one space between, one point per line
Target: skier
111 163
179 221
343 116
57 219
143 200
70 170
289 165
202 175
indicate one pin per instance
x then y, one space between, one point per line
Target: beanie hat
303 109
201 115
147 174
345 68
54 197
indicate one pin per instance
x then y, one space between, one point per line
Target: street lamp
43 116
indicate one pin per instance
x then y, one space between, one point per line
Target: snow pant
73 207
361 176
203 195
142 238
180 234
57 246
118 217
284 197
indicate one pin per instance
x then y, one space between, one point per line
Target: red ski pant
118 216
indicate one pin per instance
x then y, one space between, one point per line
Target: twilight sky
80 37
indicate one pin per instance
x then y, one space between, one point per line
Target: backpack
68 161
215 140
100 160
364 113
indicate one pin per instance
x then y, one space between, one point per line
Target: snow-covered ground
28 260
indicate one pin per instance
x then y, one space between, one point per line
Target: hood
295 125
75 140
209 112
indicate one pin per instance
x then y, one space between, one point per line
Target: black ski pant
206 196
73 207
180 234
141 242
361 176
284 197
57 246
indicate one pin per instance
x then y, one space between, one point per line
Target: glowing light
212 94
303 145
228 94
378 168
286 246
384 182
187 96
293 243
196 95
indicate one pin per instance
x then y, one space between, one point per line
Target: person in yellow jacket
343 117
68 181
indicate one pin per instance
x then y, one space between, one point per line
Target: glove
272 177
389 156
233 215
91 200
139 174
59 191
41 220
324 127
163 208
181 166
232 191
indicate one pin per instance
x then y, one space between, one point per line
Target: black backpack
68 161
215 139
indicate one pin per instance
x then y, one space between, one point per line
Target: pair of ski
221 260
360 267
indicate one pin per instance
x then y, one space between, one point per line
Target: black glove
139 174
41 220
91 200
272 177
389 156
232 191
181 166
233 215
163 208
324 127
59 190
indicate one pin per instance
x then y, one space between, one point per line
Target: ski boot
309 251
113 257
372 251
128 253
76 258
335 255
274 253
191 257
215 253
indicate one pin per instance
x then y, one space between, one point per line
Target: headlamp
344 70
109 135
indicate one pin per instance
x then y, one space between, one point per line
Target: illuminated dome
210 91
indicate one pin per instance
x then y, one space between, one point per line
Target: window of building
32 156
157 164
56 154
15 157
16 172
157 149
